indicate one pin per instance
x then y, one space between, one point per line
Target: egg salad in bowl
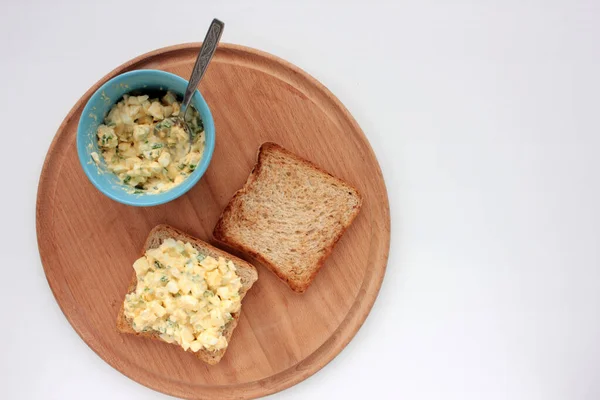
184 296
140 143
131 143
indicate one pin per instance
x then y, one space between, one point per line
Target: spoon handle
209 46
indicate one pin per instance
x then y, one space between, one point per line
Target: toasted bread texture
289 215
245 271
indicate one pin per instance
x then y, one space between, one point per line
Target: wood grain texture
88 242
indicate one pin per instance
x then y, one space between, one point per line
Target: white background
485 119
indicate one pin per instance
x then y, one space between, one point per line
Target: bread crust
220 233
245 270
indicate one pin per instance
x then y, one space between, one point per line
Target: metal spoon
207 50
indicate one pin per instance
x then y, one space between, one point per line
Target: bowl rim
148 200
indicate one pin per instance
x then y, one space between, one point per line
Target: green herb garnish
126 179
163 126
192 167
157 146
172 324
158 265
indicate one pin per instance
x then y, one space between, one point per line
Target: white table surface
485 119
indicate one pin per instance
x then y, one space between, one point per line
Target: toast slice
289 215
245 271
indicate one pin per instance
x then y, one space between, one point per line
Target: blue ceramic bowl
98 107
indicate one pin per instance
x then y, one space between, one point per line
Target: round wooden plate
88 242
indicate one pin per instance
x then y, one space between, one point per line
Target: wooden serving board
88 242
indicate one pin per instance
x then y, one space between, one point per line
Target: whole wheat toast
289 215
244 270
